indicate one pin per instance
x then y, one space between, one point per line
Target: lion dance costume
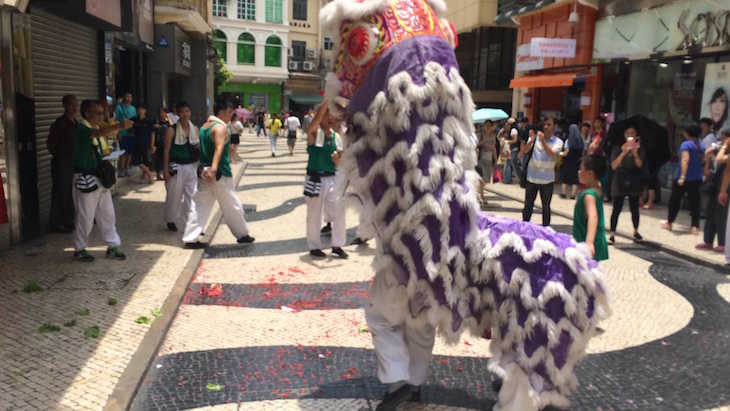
441 264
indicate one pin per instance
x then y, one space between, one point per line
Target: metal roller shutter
65 61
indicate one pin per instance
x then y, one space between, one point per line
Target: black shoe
340 252
416 393
326 229
562 195
497 384
359 241
83 256
247 239
391 400
638 237
172 227
115 254
612 240
317 254
195 246
273 155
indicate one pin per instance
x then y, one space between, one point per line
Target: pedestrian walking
320 184
161 126
588 218
307 119
293 124
274 127
125 111
487 156
687 179
181 154
91 195
716 159
540 173
235 129
216 183
144 132
573 151
60 144
630 178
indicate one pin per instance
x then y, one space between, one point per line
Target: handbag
107 174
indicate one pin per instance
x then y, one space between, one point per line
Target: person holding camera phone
217 182
540 173
627 160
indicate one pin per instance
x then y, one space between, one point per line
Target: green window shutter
272 52
246 49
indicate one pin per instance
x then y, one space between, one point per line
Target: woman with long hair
572 153
626 159
719 108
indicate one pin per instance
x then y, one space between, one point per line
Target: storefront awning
306 99
546 80
188 20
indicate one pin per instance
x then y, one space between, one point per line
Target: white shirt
709 140
293 123
173 118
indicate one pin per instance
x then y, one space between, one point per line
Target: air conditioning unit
294 66
327 64
311 54
308 66
290 52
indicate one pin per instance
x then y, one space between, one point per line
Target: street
287 332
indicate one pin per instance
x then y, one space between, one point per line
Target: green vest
207 150
320 158
580 225
178 152
86 155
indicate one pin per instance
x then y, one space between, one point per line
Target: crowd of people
194 162
555 152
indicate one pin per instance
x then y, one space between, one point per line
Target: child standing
588 223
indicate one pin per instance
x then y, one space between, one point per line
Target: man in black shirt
144 130
60 144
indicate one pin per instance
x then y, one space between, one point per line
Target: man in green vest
216 182
180 166
93 201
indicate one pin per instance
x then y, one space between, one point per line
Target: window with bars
328 44
247 9
220 8
219 42
299 50
246 49
274 11
272 52
299 10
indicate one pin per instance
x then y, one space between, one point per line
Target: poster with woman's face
715 95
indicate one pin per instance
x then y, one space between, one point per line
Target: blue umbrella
484 114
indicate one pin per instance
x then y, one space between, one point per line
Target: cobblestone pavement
65 370
679 241
288 333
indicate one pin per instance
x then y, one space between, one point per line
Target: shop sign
107 10
526 62
671 27
163 42
185 54
546 47
715 103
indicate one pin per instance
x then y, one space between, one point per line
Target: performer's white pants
223 190
516 393
403 351
95 205
328 203
181 187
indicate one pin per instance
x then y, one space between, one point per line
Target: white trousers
329 204
180 190
224 191
403 351
516 393
272 140
98 206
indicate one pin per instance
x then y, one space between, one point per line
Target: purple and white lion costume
440 262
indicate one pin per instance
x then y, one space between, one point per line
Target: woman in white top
235 129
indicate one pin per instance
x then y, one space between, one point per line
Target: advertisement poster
714 95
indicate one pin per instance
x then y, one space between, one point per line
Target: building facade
486 52
305 61
252 37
